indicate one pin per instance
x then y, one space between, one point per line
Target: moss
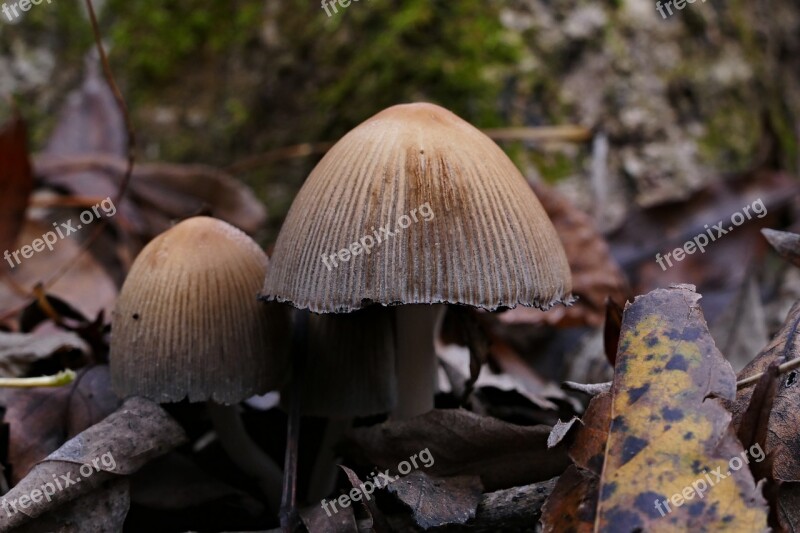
555 166
157 39
731 139
453 53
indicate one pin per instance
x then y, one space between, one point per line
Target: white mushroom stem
416 363
245 453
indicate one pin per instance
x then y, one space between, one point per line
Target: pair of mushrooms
188 324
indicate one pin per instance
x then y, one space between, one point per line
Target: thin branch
131 147
785 367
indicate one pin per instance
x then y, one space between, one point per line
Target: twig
785 367
567 133
592 389
131 148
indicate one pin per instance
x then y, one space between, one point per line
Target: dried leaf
437 502
572 504
462 443
560 431
16 182
379 523
665 430
19 350
783 440
87 286
785 243
667 433
119 445
611 330
40 420
104 509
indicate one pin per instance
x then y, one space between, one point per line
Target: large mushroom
415 207
187 325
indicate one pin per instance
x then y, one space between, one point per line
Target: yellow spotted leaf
668 435
671 460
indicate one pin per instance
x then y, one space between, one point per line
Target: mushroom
416 207
188 325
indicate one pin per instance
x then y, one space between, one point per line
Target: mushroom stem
245 453
417 328
323 477
288 513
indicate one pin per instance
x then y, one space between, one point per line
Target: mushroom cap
464 225
188 322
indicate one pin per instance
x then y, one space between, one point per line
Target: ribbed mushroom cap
188 324
475 232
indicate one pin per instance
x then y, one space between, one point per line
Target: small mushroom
416 207
187 325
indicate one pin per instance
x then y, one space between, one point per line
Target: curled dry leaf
461 443
436 502
665 432
121 444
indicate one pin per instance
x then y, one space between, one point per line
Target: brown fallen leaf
159 192
40 420
573 503
121 444
103 510
19 350
318 520
663 228
785 243
461 443
16 183
782 440
436 502
752 433
379 523
87 286
667 434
